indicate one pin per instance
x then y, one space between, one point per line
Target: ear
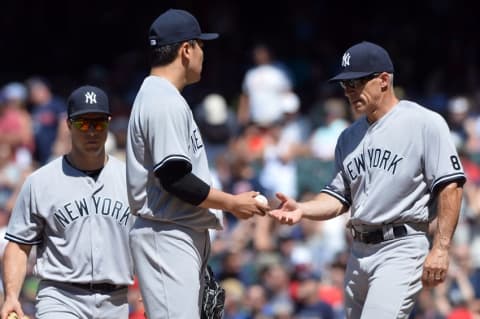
185 49
385 77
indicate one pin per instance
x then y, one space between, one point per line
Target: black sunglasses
356 83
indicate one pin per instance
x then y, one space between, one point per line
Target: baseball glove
213 297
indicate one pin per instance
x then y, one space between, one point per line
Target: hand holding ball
261 199
13 315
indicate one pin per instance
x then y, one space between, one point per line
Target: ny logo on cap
90 98
346 59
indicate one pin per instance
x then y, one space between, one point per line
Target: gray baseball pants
169 261
383 280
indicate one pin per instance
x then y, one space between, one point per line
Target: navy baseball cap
174 26
363 59
88 99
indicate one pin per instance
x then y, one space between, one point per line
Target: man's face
89 132
195 53
363 93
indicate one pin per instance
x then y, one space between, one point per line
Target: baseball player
168 178
391 164
75 210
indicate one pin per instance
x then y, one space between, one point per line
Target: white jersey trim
336 195
171 157
448 178
18 240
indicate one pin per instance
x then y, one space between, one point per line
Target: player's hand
11 305
435 267
246 206
288 212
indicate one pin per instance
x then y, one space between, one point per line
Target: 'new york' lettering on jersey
72 217
376 158
71 211
401 159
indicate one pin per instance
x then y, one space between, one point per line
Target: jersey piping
171 157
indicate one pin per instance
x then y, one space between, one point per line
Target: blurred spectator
458 108
458 291
324 138
217 124
262 87
255 301
308 305
296 127
425 307
275 278
234 295
15 122
48 112
280 154
331 285
12 176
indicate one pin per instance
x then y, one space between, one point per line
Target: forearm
217 199
322 207
448 210
14 268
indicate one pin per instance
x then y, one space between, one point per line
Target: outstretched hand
288 212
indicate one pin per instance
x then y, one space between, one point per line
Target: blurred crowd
268 140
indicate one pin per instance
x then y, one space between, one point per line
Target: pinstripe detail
449 178
170 157
336 195
19 240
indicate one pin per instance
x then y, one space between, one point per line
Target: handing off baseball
262 199
263 203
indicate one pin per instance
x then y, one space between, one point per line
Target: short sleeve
25 225
168 134
442 163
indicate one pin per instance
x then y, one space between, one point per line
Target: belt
378 235
105 287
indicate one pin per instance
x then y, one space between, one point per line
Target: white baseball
261 199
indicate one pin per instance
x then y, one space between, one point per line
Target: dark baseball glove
213 297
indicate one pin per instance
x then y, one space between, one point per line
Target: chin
195 80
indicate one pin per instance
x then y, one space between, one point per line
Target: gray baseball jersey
80 225
387 172
162 128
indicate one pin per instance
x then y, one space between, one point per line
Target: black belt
376 236
105 287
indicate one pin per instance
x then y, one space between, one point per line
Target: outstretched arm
14 270
242 205
322 207
436 264
177 179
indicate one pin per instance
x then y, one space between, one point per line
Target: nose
91 129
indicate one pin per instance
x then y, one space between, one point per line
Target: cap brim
208 36
82 112
349 76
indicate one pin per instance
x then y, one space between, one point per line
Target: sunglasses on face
84 125
356 83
